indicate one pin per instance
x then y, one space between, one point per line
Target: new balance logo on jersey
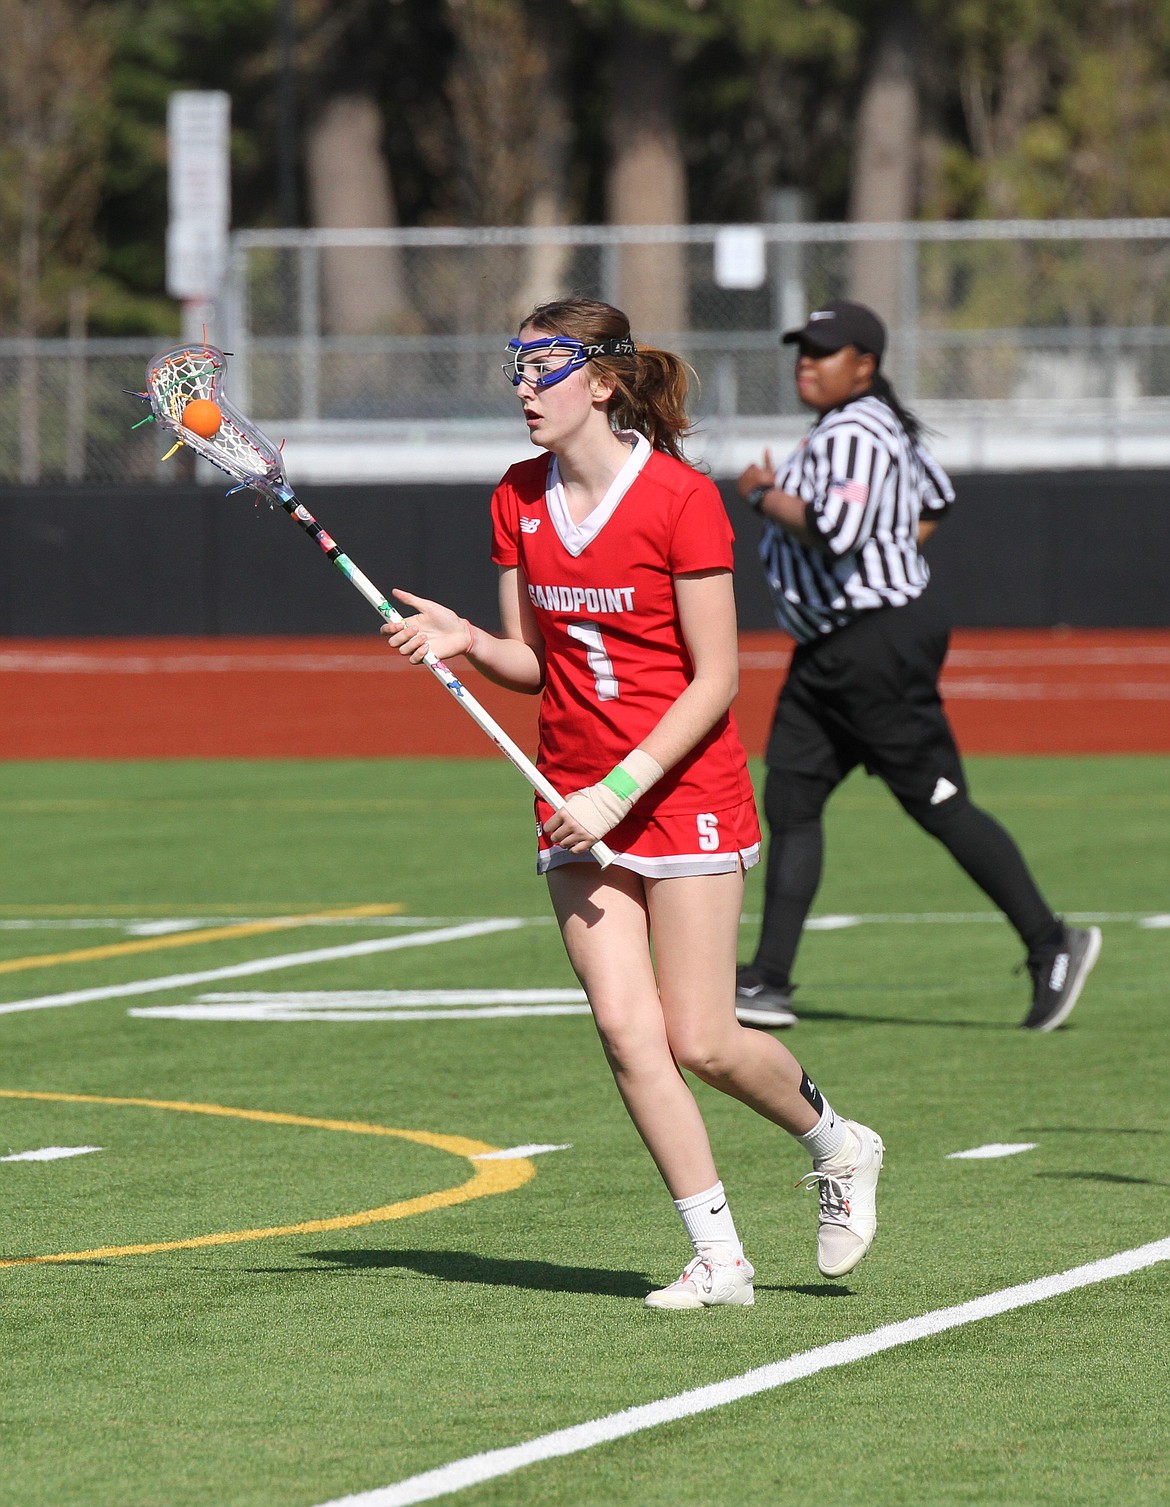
529 525
943 791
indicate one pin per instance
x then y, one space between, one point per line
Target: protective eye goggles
551 359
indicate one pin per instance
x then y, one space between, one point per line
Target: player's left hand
585 818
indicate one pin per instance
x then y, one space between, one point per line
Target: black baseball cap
838 324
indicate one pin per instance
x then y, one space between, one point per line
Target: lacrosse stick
193 375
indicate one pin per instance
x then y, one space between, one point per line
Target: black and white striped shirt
865 484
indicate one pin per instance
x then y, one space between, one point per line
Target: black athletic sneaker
761 1004
1058 976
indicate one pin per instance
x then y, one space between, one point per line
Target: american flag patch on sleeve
849 491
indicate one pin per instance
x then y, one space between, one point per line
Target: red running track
1008 692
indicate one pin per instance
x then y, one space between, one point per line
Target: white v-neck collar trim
576 536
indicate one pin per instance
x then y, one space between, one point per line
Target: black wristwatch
755 498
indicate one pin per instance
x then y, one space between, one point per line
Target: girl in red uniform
617 609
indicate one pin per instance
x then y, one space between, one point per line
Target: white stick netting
177 377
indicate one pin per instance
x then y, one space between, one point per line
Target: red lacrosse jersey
603 595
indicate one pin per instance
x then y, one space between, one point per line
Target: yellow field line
488 1178
191 938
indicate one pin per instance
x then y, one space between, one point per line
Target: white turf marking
354 1005
49 1153
147 926
163 928
266 965
329 999
490 1465
150 926
514 1153
54 662
45 661
994 1149
959 918
348 1017
1040 690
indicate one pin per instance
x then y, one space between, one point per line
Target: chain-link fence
1021 343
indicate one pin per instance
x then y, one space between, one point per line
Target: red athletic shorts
664 846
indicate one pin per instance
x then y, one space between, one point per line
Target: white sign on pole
199 184
741 256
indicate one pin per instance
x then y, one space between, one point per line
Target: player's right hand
430 628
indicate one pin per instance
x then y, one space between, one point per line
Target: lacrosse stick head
189 373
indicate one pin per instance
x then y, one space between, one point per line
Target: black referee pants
868 694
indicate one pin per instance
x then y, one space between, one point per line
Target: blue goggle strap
579 353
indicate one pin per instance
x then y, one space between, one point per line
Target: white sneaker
706 1284
848 1204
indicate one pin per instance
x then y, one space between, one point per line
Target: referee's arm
757 487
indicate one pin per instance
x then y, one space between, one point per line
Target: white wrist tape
598 808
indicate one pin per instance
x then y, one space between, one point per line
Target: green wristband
624 786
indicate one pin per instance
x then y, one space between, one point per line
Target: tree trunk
546 268
885 162
646 184
510 106
349 187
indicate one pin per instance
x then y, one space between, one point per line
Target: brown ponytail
650 386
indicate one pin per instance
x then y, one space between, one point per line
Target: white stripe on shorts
673 866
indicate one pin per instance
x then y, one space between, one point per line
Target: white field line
1051 690
1113 656
1075 658
265 965
155 927
492 1464
143 926
49 1153
514 1153
831 922
370 999
346 1006
991 1151
79 662
274 1013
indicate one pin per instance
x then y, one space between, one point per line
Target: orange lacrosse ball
202 417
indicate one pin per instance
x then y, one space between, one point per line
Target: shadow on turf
809 1290
538 1276
466 1266
869 1019
1104 1177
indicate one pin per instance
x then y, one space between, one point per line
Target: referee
845 517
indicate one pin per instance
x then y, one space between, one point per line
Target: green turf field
428 1307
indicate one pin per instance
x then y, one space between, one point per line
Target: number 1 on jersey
599 662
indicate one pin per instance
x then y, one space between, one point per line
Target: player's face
826 379
558 414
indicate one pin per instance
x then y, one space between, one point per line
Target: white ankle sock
707 1220
830 1140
